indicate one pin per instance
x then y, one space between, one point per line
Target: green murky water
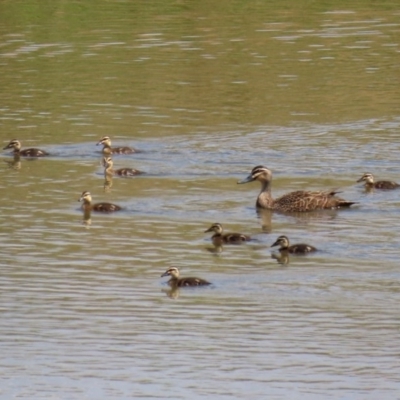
206 91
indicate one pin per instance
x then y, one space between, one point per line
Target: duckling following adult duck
220 238
298 201
176 281
108 169
107 149
87 205
371 184
299 248
16 146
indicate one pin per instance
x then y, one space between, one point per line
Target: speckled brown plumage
371 184
107 149
219 238
299 248
176 281
108 169
298 201
16 146
100 207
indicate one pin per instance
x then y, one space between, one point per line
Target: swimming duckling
175 281
299 201
16 145
220 238
87 205
300 248
108 164
370 184
107 149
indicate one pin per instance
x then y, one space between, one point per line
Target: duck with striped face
87 205
219 238
176 281
32 152
300 248
107 149
298 201
370 183
109 171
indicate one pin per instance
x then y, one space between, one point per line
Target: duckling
87 205
16 145
108 164
175 281
300 248
299 201
107 149
220 238
370 184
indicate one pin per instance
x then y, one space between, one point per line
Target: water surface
206 93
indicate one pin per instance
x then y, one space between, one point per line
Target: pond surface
206 92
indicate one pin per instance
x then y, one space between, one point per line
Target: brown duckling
108 164
300 248
220 238
87 205
299 201
16 145
370 184
107 149
175 281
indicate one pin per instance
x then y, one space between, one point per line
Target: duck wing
386 185
235 238
309 201
192 282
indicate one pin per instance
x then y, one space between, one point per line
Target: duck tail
344 203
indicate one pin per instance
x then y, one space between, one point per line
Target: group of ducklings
219 238
298 201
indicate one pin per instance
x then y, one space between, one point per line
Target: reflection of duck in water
265 217
176 281
87 205
371 184
282 258
172 292
295 201
107 183
219 238
109 171
15 163
107 149
16 145
299 248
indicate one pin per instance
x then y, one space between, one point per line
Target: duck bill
246 180
208 230
165 274
360 180
99 142
275 244
7 147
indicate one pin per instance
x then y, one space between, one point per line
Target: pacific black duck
108 165
107 149
299 201
87 205
299 248
371 184
16 145
220 238
175 281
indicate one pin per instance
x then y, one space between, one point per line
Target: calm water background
206 91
